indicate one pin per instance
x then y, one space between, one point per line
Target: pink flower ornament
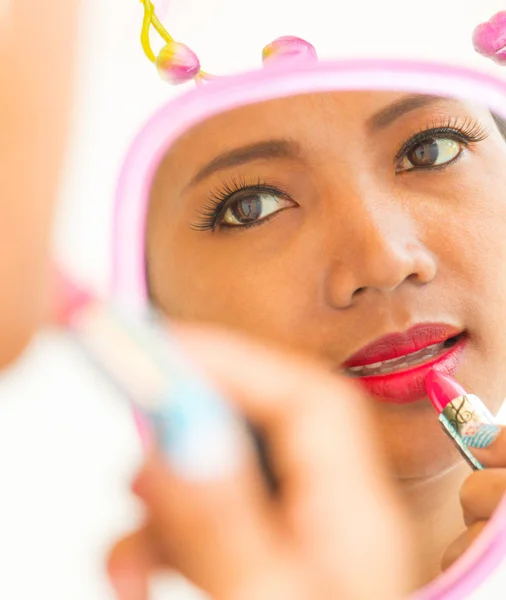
489 38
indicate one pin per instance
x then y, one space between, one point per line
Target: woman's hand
482 491
336 529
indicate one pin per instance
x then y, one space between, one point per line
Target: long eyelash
469 131
211 212
208 215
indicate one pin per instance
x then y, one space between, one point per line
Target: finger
461 544
488 444
291 401
129 565
481 493
141 547
219 534
323 450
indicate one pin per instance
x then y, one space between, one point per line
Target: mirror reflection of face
323 222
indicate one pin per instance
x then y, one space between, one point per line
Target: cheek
471 251
35 78
270 295
36 81
465 227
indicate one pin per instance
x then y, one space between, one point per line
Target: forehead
287 116
308 120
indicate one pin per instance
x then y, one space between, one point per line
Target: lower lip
408 386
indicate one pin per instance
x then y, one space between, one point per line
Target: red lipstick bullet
442 389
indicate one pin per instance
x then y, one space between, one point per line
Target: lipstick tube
170 399
461 415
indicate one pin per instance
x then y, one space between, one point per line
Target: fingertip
488 444
128 567
483 436
143 480
129 582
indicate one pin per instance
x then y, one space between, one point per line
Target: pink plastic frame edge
186 111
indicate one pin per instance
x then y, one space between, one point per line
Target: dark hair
501 124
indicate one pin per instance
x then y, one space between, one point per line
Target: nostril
359 291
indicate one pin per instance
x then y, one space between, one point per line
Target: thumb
487 442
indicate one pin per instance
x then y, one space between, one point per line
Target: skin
35 60
360 251
36 55
333 517
301 545
35 78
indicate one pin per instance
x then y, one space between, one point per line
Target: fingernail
199 434
481 436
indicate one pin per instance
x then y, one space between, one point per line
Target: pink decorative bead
489 38
176 63
288 47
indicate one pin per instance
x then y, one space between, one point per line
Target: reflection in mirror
365 229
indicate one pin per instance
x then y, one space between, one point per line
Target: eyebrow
278 148
285 148
387 115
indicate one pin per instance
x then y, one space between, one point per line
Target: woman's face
37 41
326 222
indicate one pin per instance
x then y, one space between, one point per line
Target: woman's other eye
252 207
432 152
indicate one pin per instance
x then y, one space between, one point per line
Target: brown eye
424 155
247 210
430 153
253 207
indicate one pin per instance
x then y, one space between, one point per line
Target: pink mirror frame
179 115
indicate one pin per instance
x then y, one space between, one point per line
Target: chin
416 447
414 472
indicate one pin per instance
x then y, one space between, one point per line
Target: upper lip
395 345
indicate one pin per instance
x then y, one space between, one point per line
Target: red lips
398 344
408 385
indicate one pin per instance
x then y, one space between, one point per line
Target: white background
67 445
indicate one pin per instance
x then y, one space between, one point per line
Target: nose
380 256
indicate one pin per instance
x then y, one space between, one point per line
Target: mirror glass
365 229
